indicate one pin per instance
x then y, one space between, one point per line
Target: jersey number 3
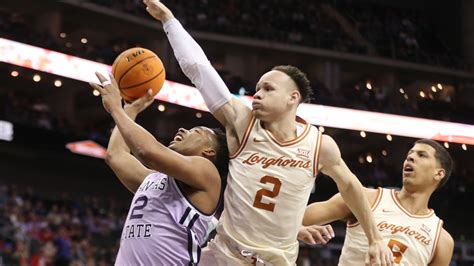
257 203
398 248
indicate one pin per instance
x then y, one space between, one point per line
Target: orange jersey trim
316 153
397 202
438 233
294 141
376 203
244 139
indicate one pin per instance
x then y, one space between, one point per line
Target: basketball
136 70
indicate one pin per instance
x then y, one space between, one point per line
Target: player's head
205 142
279 91
428 164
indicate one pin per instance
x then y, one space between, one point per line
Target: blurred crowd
388 27
38 230
361 27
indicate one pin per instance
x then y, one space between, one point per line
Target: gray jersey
162 227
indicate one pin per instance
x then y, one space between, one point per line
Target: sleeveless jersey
268 188
162 227
412 238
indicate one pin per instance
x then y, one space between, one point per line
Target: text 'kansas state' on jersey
269 184
162 227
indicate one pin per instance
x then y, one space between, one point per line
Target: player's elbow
147 157
110 157
348 184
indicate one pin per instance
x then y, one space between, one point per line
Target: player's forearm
356 199
116 142
140 141
196 66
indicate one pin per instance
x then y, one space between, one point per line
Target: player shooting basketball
173 203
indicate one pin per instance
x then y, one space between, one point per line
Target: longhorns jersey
162 226
412 238
268 188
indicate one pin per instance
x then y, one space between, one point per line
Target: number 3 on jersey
398 248
257 203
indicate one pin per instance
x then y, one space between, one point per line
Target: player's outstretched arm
444 250
229 111
195 171
353 194
127 168
325 212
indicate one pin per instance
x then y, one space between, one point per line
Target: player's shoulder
330 153
445 238
328 143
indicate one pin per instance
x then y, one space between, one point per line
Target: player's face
193 142
276 94
420 166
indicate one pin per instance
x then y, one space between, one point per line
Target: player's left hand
109 92
379 254
137 106
316 234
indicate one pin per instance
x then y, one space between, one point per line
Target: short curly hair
300 78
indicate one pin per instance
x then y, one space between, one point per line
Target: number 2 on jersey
257 203
135 214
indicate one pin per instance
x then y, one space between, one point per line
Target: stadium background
61 207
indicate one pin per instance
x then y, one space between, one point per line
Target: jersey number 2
140 203
257 203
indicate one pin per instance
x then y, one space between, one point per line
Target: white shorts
222 251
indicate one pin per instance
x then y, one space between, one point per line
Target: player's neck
283 130
414 202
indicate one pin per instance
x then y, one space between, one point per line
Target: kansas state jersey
412 238
269 184
162 227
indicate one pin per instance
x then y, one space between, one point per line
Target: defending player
274 157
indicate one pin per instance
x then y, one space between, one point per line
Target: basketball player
174 203
407 225
274 157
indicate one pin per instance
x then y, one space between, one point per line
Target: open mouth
408 168
178 138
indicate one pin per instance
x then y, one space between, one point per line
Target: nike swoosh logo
259 140
384 210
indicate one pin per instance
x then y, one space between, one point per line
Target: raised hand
137 106
109 91
158 10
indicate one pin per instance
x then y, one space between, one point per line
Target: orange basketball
136 70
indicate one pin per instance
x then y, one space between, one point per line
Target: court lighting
36 78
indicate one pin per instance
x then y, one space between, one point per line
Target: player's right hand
316 234
158 10
379 254
137 106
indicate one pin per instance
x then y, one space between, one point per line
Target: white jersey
162 226
268 188
412 238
